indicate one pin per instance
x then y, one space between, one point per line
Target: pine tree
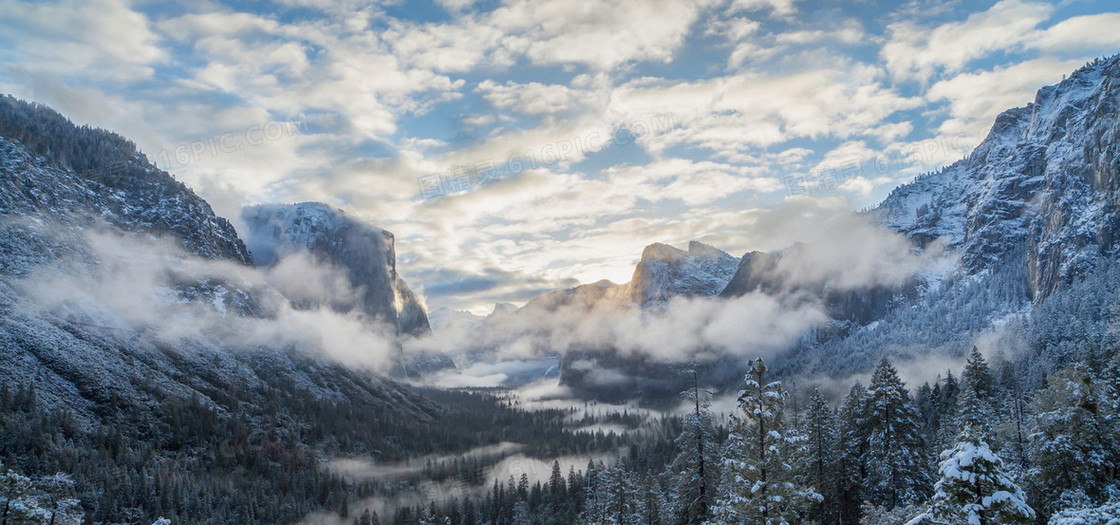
897 472
1071 446
594 499
945 433
974 488
652 505
976 407
556 485
978 376
820 453
618 498
759 483
850 466
521 514
694 472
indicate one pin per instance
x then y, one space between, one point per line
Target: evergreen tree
759 483
974 488
944 434
850 466
653 508
820 453
694 474
897 472
976 409
521 514
1072 443
978 376
556 485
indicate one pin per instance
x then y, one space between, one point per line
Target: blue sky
519 146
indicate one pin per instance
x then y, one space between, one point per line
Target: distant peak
662 252
503 308
699 249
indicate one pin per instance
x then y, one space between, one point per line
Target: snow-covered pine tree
1071 446
694 472
621 497
974 488
1107 514
897 471
820 454
38 500
945 433
978 375
594 501
850 467
760 486
976 409
521 514
653 508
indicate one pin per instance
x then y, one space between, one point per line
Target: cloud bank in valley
841 252
149 286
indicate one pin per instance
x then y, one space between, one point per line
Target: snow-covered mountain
60 183
665 272
366 254
1027 215
1046 179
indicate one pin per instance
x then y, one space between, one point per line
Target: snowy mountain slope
80 175
59 183
1031 212
1045 177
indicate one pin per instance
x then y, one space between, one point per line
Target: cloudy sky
520 146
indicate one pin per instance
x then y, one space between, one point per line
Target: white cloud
731 114
595 33
532 98
1089 34
976 98
102 38
916 52
777 7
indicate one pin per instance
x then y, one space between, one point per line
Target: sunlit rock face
666 272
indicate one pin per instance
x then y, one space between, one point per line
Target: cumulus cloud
729 114
917 52
975 98
104 38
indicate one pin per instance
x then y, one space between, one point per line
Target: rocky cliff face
662 273
367 255
666 272
1044 180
